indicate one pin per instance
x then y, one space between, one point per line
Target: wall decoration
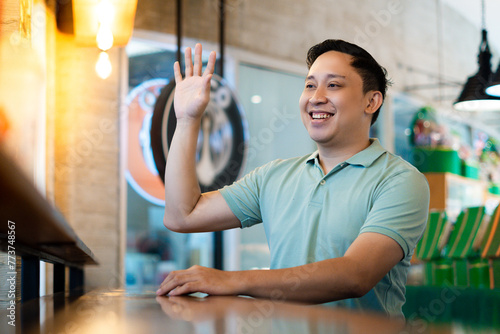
222 140
141 173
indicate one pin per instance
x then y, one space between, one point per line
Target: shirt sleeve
243 197
400 209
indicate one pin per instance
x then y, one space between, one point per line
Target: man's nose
319 96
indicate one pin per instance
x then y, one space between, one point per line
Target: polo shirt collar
312 157
364 158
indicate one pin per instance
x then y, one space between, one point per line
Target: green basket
479 273
428 246
494 188
494 267
461 273
439 273
436 160
470 169
464 232
490 245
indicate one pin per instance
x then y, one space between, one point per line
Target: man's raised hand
192 93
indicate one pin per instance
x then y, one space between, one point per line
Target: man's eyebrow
329 76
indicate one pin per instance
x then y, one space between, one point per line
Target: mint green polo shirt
309 216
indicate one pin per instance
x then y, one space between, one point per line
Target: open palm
192 93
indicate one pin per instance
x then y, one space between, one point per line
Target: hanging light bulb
104 38
473 96
105 23
105 17
103 66
90 15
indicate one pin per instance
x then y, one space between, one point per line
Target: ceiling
471 11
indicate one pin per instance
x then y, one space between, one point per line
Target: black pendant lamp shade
474 96
494 86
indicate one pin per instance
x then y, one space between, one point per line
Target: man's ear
375 100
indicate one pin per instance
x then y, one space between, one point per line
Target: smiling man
341 223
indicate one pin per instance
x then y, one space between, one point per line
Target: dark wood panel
39 228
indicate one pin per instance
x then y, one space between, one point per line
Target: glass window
270 99
152 250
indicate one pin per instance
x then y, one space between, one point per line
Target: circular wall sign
222 140
141 173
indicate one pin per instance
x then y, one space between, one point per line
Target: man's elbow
353 288
360 286
174 225
360 290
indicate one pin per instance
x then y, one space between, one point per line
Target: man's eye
333 85
309 86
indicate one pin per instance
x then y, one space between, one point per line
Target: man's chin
322 141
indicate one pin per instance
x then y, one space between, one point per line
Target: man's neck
329 157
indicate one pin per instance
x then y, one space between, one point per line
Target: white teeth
321 116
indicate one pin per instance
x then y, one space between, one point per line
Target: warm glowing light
103 66
105 16
105 12
104 38
91 15
22 105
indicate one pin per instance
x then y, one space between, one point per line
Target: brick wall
86 146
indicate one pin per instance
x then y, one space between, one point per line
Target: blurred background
90 122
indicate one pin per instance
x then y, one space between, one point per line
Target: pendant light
103 24
473 96
494 87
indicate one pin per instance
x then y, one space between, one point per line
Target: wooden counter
33 230
40 229
122 312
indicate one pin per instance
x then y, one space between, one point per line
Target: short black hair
374 76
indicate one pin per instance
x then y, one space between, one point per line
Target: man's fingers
197 60
162 290
206 82
211 64
174 280
184 289
167 285
189 62
198 64
177 72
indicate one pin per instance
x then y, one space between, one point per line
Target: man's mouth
320 115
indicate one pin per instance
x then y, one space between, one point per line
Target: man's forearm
182 190
192 94
317 282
